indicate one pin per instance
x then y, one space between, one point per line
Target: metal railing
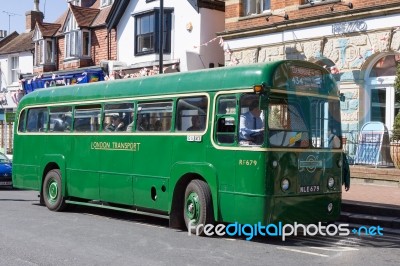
369 148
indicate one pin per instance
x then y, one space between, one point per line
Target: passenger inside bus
61 124
251 130
196 124
143 125
116 124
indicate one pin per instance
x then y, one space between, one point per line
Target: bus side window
154 116
118 117
191 115
87 118
226 123
21 121
60 119
36 121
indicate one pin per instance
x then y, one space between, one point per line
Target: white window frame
253 7
105 3
71 42
75 2
14 68
89 43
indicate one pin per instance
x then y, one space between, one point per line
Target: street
30 234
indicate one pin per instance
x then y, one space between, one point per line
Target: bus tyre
197 206
52 193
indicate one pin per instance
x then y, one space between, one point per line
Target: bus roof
215 79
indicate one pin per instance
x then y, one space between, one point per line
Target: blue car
5 171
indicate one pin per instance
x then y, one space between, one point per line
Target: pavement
376 194
372 204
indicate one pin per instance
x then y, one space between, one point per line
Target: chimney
33 16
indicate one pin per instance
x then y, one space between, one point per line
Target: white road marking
304 252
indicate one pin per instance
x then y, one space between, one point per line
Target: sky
12 12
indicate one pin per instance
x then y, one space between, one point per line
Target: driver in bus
251 130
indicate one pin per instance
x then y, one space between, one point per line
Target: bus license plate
309 189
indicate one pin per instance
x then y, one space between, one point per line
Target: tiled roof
48 29
100 20
8 39
84 16
21 43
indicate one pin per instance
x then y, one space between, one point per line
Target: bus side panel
116 157
83 168
26 176
151 165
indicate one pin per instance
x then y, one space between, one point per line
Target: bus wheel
197 206
51 190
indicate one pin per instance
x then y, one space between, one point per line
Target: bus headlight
331 182
274 164
285 184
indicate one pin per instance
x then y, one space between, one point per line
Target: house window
147 32
251 7
71 38
105 3
14 66
49 48
86 43
77 42
75 2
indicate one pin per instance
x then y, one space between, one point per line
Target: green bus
130 145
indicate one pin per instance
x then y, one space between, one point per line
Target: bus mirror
342 97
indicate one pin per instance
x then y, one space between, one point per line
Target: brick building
70 49
358 40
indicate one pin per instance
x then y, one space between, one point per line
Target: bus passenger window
118 117
87 119
192 114
21 121
154 116
60 119
36 121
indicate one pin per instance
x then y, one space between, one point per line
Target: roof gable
47 29
84 16
21 43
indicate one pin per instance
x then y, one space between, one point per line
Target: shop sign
349 27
